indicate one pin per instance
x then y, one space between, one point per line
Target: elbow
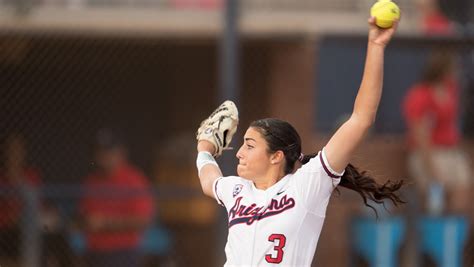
364 122
369 122
206 187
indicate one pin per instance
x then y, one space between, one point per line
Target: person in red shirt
117 206
14 174
431 111
433 21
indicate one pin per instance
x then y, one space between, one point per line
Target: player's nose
239 153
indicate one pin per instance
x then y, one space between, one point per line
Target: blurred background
100 101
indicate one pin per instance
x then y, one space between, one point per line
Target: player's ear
277 157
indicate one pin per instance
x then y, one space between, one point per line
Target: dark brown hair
281 136
439 64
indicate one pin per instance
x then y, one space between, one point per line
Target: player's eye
250 146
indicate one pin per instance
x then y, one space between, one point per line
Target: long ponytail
366 186
280 135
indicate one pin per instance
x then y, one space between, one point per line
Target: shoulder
230 183
314 164
232 180
227 187
319 164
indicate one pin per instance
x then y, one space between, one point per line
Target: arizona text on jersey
279 226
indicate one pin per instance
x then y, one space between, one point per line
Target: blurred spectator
433 21
116 208
460 12
431 110
15 173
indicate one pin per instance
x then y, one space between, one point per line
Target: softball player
275 214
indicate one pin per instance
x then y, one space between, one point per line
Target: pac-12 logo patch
237 189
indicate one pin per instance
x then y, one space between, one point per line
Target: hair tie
301 157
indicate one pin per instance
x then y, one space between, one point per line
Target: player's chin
241 171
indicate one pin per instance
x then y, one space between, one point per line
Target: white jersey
279 226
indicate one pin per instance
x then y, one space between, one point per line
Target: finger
395 24
371 20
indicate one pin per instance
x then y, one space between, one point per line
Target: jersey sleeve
315 182
224 187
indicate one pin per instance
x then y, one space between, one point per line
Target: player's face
254 159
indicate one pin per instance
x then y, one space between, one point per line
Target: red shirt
11 204
121 194
437 24
420 102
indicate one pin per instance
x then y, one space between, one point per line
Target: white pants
452 164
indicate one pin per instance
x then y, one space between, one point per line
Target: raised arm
346 139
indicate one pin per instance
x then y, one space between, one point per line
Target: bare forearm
370 91
346 139
207 176
208 173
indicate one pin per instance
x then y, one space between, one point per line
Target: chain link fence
57 93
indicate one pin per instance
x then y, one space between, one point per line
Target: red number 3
278 248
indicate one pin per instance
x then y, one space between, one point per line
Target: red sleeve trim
329 173
215 192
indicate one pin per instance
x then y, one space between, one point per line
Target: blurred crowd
115 221
115 209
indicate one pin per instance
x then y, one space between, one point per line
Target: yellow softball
385 13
